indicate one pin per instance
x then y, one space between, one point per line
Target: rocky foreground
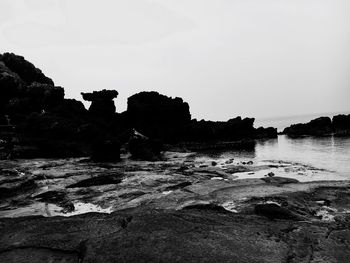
193 235
186 207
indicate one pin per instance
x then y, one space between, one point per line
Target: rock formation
52 126
102 104
26 71
158 116
339 126
43 123
318 127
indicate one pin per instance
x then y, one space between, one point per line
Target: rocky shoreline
75 210
149 184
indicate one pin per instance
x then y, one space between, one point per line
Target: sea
329 153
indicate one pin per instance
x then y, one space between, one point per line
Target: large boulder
341 124
102 103
158 116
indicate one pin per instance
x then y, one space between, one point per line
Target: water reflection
331 153
328 153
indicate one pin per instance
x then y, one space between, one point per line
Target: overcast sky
255 58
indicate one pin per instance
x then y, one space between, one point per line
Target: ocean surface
329 153
305 159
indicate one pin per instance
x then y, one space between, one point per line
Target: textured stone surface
193 235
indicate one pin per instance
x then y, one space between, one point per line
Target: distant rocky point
339 125
36 120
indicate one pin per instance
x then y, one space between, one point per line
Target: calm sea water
330 153
306 159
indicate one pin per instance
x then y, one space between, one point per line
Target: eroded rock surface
192 235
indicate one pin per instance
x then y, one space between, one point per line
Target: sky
256 58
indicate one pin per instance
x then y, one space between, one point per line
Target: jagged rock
317 127
51 126
25 70
106 151
102 103
234 129
158 116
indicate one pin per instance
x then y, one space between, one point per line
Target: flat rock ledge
191 235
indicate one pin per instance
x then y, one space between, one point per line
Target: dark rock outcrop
37 118
317 127
341 125
40 122
158 116
25 70
102 103
233 129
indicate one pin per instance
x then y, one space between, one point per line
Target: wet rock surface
98 180
174 181
171 210
191 235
